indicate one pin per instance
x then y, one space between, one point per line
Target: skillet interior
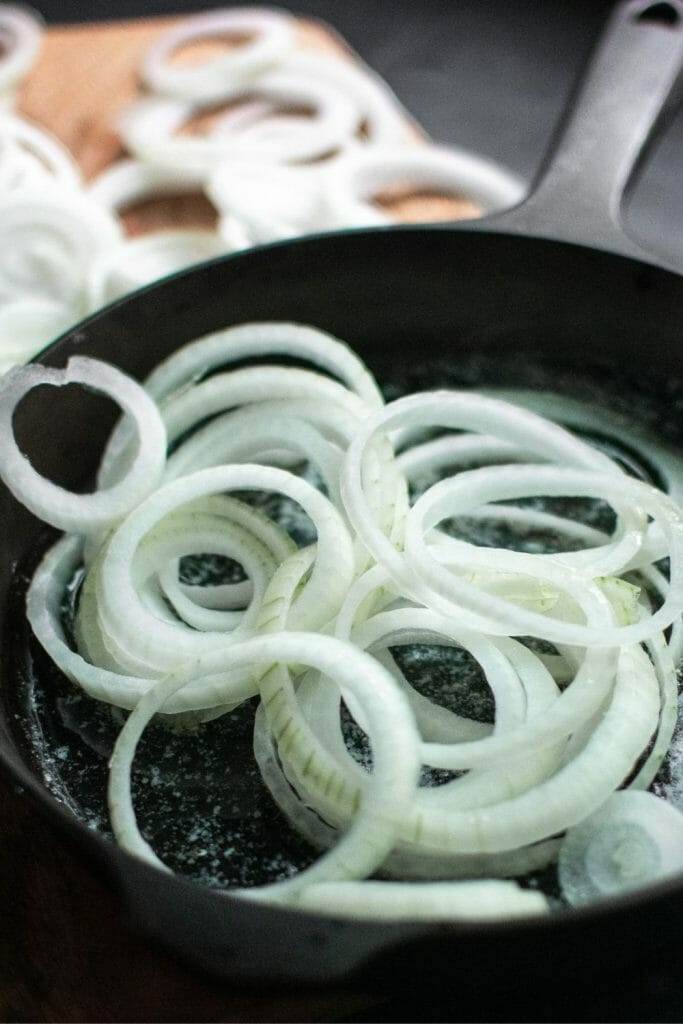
424 307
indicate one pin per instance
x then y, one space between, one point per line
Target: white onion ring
392 782
117 594
193 361
270 201
82 513
130 181
580 415
21 32
385 119
48 236
521 481
43 610
274 32
33 154
139 261
149 126
402 862
461 410
423 901
28 325
634 839
352 180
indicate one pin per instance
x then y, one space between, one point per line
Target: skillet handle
579 193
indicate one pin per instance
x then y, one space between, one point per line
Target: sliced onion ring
82 513
353 180
634 839
273 33
21 31
393 781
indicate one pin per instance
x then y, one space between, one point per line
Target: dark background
488 75
492 76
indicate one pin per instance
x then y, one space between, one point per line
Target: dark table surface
492 76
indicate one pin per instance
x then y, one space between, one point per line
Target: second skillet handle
579 193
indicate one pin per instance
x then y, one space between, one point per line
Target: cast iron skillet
557 276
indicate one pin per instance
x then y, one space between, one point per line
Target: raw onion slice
194 533
82 513
384 119
255 434
30 154
21 31
142 635
332 782
393 781
354 179
519 482
43 610
562 799
257 340
608 423
26 326
131 181
48 238
405 861
423 901
634 839
270 201
231 596
272 37
139 261
199 358
191 406
437 587
150 127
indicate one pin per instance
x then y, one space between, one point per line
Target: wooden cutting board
66 954
87 73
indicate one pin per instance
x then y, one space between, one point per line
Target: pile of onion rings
303 142
578 647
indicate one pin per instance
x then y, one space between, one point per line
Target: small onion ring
131 181
139 261
150 126
352 180
82 513
317 603
274 31
21 30
39 153
391 786
633 839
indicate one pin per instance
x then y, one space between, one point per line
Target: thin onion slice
633 840
423 901
272 35
33 154
26 326
353 180
21 32
48 237
150 127
82 513
140 261
130 181
393 781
